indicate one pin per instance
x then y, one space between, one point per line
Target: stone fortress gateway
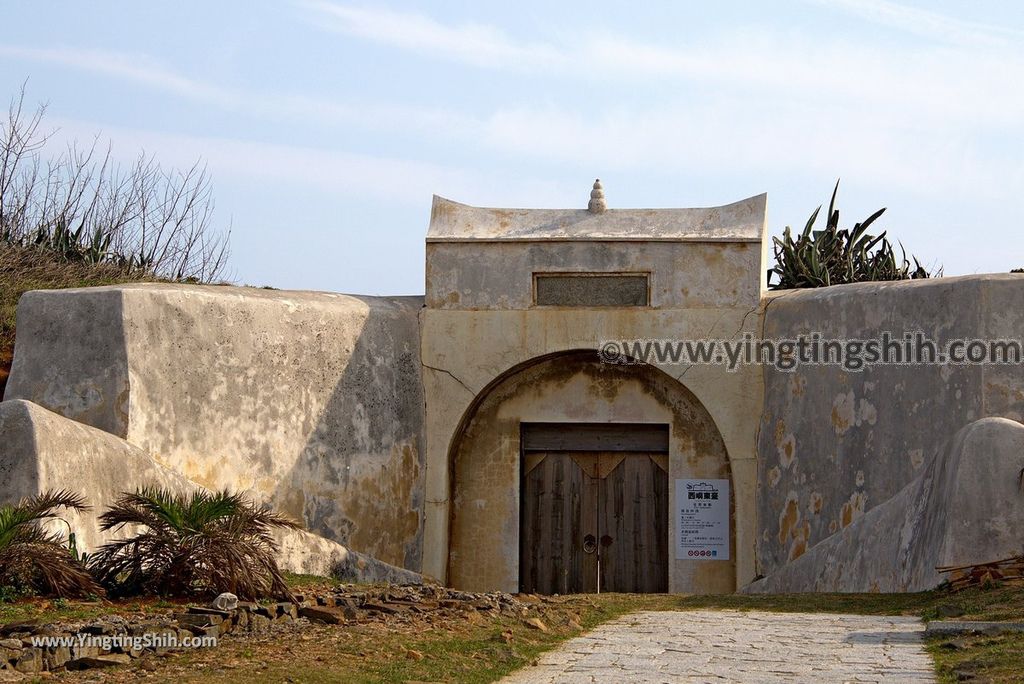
544 463
476 436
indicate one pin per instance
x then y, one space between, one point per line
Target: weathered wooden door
633 523
593 521
559 526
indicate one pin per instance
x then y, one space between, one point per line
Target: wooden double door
594 520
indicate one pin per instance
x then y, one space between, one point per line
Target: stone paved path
734 646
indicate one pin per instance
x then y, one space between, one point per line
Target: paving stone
743 647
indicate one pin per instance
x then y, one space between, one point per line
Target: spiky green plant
833 256
198 544
33 560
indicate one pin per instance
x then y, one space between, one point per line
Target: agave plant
198 544
833 256
33 560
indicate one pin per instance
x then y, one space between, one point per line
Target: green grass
994 603
22 270
46 610
996 659
302 583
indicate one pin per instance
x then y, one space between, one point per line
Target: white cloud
926 23
475 43
720 138
131 67
336 172
929 82
292 107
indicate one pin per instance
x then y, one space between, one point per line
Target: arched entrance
579 440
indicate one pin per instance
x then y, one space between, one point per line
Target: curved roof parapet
742 221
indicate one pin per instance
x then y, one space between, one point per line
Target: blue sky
327 126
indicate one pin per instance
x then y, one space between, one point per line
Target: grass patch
310 583
862 604
996 659
44 611
1000 602
23 269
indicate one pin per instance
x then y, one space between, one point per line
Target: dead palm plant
198 544
33 560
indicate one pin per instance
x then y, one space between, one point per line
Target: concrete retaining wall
965 507
311 402
833 444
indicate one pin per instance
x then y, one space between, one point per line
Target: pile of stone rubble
34 647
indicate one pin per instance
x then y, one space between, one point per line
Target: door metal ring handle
589 544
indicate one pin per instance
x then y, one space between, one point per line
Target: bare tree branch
84 206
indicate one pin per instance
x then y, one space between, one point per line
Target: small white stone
225 601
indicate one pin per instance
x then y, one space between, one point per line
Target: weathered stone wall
682 274
964 508
44 451
833 443
312 402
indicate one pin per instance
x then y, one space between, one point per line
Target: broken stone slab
210 631
56 657
109 660
258 622
198 619
286 609
150 627
203 610
15 627
329 616
30 662
383 608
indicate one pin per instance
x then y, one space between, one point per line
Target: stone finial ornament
597 204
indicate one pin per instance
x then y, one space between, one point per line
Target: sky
327 126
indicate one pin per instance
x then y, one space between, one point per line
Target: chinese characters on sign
702 519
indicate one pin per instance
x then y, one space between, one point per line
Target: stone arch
570 386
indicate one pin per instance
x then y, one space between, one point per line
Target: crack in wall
453 377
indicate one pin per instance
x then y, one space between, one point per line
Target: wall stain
789 518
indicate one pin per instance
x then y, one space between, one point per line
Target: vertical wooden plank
590 526
552 528
659 530
530 499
